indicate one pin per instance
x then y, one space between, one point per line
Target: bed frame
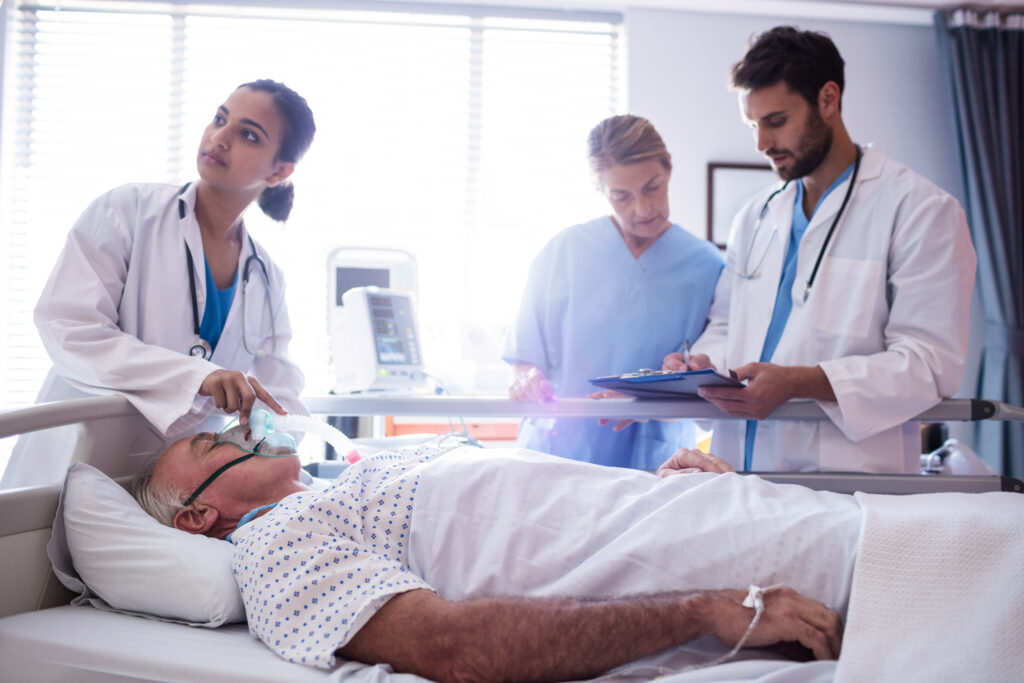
113 437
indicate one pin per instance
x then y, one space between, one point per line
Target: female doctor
611 296
160 295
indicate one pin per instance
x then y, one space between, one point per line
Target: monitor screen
394 330
347 278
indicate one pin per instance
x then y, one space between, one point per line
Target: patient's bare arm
559 639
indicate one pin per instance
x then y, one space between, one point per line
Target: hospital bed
44 638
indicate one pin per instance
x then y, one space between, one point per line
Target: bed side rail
850 482
26 515
59 413
109 432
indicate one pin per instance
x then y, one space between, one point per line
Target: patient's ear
196 518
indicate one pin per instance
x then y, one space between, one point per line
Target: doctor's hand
688 460
676 362
233 390
788 617
768 387
530 384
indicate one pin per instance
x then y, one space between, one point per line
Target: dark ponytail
276 200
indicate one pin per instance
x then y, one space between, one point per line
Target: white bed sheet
85 644
88 645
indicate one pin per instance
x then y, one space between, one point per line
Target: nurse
849 285
161 295
610 296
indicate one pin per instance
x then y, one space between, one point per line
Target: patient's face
189 461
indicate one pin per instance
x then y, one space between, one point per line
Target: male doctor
850 285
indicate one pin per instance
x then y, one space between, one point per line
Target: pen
686 353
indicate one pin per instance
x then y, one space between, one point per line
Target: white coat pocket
848 279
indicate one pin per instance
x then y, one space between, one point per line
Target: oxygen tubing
342 445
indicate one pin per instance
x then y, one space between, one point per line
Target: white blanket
515 522
938 590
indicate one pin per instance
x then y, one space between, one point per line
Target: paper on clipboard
664 384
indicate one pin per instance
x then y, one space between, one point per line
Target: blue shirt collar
248 517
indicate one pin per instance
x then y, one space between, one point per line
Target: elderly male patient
465 563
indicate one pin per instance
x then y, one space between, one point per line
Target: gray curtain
981 53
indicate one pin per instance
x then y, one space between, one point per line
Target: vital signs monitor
375 342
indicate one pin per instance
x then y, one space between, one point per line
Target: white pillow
105 546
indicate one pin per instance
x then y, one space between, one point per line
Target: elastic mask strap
220 470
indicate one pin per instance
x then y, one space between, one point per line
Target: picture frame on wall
730 186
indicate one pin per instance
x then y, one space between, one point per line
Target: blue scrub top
591 309
218 305
784 298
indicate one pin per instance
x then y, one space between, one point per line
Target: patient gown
473 523
590 309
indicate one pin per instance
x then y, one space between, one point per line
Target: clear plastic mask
259 437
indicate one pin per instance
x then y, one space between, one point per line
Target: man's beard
814 146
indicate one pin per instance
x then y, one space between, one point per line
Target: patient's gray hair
161 502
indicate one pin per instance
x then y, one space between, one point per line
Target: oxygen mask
259 437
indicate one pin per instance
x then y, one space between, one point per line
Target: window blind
454 132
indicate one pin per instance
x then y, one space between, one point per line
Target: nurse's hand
233 390
687 460
619 424
768 387
608 393
676 362
530 384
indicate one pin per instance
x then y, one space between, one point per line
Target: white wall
679 63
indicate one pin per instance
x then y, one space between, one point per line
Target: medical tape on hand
755 599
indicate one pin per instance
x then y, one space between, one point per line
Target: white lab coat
115 317
886 319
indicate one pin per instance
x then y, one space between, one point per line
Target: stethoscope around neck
200 347
748 274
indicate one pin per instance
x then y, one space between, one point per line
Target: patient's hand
788 618
687 460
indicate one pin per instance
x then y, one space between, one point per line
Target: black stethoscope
200 347
747 274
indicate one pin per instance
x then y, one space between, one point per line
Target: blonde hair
625 139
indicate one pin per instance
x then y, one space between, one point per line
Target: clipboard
666 384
